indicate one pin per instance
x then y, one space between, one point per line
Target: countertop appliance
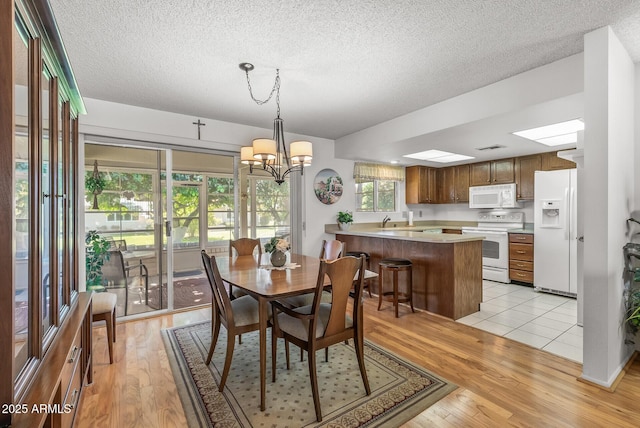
494 225
555 241
493 196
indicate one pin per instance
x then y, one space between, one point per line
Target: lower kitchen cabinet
521 257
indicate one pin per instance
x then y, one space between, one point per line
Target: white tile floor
541 320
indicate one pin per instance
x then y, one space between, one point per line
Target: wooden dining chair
332 249
321 325
237 316
243 247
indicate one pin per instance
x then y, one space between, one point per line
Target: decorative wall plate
327 186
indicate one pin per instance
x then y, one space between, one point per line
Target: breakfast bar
447 267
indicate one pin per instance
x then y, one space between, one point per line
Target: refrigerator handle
567 216
572 224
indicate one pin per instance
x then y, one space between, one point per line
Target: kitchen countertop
407 233
527 229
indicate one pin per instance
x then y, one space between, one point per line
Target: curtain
363 172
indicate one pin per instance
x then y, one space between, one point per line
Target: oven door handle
485 232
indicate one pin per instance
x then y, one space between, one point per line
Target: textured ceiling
344 65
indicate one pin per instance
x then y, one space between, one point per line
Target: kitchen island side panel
447 277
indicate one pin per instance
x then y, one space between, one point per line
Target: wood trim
66 191
35 196
74 206
7 156
54 279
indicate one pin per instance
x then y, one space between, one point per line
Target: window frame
376 190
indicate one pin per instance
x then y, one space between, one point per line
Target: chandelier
271 153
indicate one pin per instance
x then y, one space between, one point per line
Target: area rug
399 389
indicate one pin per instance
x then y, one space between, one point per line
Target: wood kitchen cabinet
521 257
551 162
461 187
420 185
525 168
453 184
499 171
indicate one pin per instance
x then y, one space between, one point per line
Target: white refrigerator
555 242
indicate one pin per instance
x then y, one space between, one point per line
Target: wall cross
199 124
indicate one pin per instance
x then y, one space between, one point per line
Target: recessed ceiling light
554 135
438 156
394 161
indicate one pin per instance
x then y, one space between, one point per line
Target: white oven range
494 225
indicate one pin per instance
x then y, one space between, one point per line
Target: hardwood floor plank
501 382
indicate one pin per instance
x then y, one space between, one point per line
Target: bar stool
395 265
366 258
103 308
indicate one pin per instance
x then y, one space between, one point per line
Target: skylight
438 156
554 135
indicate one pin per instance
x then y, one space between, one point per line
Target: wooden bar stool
366 266
395 265
104 309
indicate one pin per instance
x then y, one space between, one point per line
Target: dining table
255 275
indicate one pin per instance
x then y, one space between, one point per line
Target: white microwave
494 196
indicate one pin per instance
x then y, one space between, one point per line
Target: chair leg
274 352
214 340
411 289
380 287
231 341
239 339
301 354
314 383
110 338
395 291
359 345
286 349
326 354
126 297
113 322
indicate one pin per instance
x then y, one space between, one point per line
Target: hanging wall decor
328 186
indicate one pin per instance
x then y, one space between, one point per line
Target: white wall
609 177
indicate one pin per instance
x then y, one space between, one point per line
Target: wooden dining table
266 284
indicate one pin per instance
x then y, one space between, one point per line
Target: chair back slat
244 247
341 273
332 249
220 295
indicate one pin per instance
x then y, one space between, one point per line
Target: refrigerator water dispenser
551 214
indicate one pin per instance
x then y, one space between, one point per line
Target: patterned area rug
399 389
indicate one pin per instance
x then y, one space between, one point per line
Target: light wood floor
501 382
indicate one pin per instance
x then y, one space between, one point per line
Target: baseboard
618 378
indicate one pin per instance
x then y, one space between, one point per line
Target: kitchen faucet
385 220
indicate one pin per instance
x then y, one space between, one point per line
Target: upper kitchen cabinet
525 168
499 171
420 185
453 184
551 162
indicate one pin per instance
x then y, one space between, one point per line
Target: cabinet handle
74 354
520 274
72 405
520 251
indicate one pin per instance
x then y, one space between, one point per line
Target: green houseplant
95 184
345 218
97 252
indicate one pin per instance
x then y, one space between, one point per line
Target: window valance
363 172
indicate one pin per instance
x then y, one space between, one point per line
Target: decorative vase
344 226
278 258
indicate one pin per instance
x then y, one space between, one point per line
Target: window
376 195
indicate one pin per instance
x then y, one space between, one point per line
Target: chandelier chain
275 89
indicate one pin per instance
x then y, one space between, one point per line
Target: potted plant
345 218
97 252
95 184
278 248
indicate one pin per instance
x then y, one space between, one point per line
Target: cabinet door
428 194
526 167
551 162
480 174
461 188
445 184
412 184
502 171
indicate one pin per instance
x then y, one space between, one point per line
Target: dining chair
243 247
116 275
332 249
237 316
321 325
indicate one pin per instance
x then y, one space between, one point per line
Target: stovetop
499 221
